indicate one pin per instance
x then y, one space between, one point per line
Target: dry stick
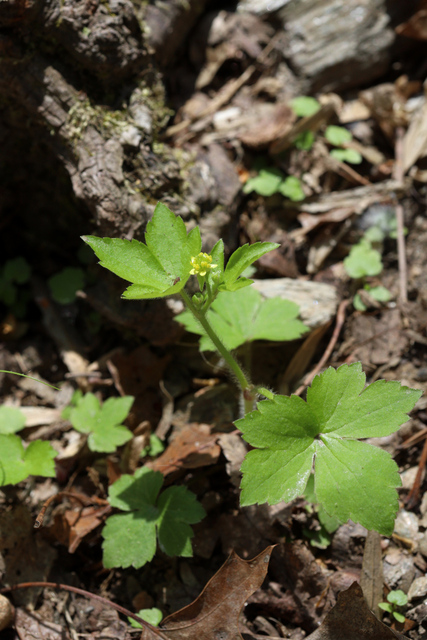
84 500
413 496
85 594
338 326
401 254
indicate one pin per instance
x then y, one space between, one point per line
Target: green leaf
399 617
374 234
304 106
17 463
380 293
178 509
153 616
11 420
265 183
244 316
352 479
358 303
337 135
17 270
398 597
385 606
363 261
130 538
158 268
291 188
65 284
304 140
240 260
155 447
346 155
102 423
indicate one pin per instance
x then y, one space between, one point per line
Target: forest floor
371 194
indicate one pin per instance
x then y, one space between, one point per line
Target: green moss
83 114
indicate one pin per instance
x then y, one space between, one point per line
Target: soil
189 113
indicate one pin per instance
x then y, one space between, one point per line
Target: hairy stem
223 351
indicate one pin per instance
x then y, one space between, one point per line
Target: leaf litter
253 109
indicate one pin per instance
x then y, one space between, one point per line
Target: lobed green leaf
17 463
352 479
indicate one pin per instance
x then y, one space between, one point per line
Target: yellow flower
201 264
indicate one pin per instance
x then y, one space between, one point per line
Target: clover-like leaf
17 463
11 420
353 479
363 261
158 268
244 316
103 424
265 183
347 155
337 135
130 537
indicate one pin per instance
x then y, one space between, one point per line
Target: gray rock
399 569
335 44
317 301
418 588
406 524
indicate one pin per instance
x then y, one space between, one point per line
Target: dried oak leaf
215 613
352 619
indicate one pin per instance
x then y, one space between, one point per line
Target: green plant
365 260
339 137
271 180
16 462
154 448
15 272
65 284
352 479
130 537
395 600
243 316
154 616
101 422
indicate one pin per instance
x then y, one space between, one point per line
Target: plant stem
221 348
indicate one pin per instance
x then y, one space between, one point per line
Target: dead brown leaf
194 446
29 625
351 619
215 613
416 26
72 526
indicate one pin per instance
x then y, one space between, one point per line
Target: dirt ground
227 118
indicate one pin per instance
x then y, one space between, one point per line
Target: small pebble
418 588
406 524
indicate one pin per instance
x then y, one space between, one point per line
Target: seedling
339 137
395 600
130 537
17 463
102 423
352 479
65 284
154 616
14 273
365 260
154 448
271 180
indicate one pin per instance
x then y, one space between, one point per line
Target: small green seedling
154 448
14 273
271 180
102 423
339 137
395 600
65 284
365 260
153 616
130 537
244 316
16 462
305 106
352 478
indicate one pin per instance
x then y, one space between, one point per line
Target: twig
84 500
401 253
413 496
338 326
85 594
